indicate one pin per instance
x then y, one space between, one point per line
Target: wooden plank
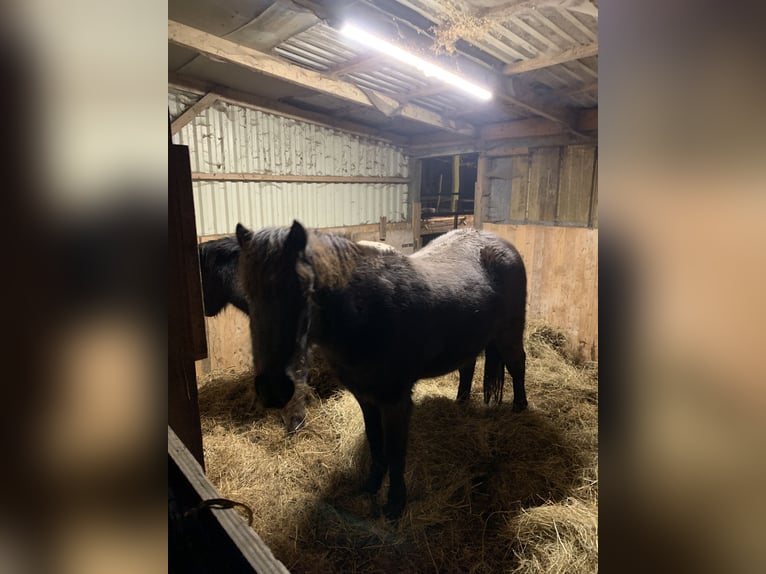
503 11
587 120
194 110
257 554
482 188
504 151
455 182
538 111
251 101
543 184
220 176
576 184
257 61
363 62
520 129
416 177
562 278
568 55
593 219
186 328
519 187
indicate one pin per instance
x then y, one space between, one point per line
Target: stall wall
232 139
562 279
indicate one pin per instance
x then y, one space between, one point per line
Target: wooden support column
415 170
186 323
196 109
455 182
482 184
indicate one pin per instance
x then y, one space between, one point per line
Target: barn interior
278 112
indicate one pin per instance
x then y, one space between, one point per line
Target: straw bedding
489 490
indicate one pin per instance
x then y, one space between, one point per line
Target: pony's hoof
296 424
392 510
371 486
518 407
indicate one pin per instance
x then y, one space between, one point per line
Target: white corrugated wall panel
232 139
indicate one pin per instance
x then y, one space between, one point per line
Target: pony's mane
332 259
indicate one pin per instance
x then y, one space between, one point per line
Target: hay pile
489 490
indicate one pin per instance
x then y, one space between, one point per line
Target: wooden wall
562 278
542 185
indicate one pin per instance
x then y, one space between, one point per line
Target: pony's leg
517 369
511 347
294 413
373 427
494 376
396 423
466 380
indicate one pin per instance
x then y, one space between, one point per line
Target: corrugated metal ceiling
305 33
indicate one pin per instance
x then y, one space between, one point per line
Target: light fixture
429 69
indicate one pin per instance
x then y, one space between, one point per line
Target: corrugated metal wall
232 139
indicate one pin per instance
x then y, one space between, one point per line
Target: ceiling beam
564 122
187 84
587 120
503 12
361 63
224 50
574 53
429 90
192 112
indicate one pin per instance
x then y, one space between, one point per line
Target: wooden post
455 182
415 169
382 233
186 323
481 186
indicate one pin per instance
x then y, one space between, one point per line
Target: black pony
383 321
218 261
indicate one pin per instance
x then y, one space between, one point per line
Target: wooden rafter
187 84
220 176
503 12
574 53
429 90
566 123
361 63
193 111
257 61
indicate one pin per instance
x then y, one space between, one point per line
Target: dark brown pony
383 321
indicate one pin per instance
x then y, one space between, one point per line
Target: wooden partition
562 278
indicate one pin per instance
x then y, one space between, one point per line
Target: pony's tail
494 375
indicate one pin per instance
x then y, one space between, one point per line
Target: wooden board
519 187
186 333
210 539
562 278
543 184
576 184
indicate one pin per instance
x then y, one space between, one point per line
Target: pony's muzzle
274 390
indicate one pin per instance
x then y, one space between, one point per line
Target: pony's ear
296 239
244 235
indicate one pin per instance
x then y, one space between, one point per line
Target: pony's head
220 286
277 279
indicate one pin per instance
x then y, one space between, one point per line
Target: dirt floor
489 490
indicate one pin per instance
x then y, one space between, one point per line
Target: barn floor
489 490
